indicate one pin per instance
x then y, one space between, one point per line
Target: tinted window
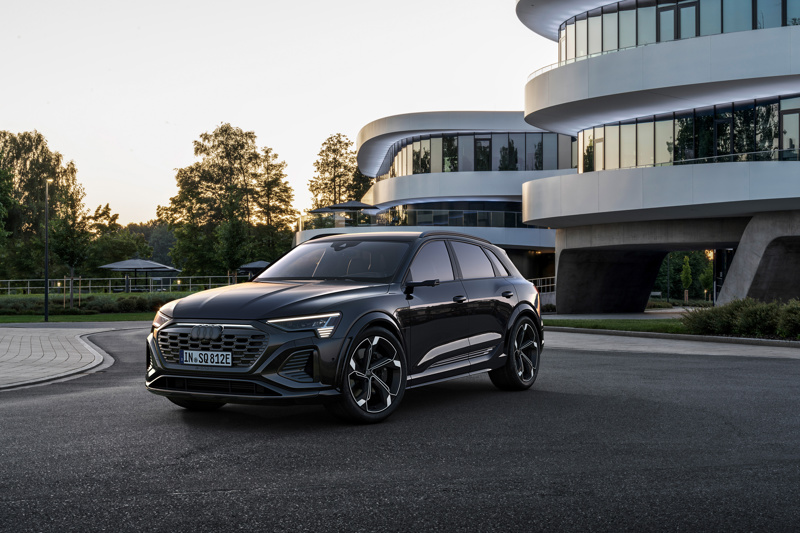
350 259
432 262
472 260
498 266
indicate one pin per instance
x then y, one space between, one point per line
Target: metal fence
111 285
544 285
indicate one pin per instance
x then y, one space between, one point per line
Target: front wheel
522 366
374 379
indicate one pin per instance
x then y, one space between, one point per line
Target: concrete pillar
767 261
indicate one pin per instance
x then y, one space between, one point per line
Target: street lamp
46 251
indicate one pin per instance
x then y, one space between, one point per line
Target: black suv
351 321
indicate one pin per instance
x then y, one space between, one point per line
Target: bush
658 304
758 319
789 320
548 308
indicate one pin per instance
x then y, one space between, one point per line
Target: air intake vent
299 367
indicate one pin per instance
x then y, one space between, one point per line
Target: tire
196 405
373 381
522 364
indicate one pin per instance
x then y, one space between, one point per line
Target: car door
435 321
491 295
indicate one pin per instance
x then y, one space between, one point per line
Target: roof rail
453 234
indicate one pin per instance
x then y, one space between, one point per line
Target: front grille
213 386
245 345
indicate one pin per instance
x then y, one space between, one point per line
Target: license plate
195 357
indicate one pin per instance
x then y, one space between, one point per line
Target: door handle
508 294
459 299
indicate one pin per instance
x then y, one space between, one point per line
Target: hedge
90 305
747 318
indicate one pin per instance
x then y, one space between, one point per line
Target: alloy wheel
375 374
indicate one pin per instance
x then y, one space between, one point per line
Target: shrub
658 304
548 308
789 320
758 319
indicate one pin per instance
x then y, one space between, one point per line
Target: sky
123 88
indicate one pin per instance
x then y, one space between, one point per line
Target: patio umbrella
352 205
137 265
321 210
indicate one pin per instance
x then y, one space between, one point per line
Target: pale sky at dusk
123 88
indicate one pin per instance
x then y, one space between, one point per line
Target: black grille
299 367
245 346
213 386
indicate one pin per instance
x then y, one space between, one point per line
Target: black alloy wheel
523 351
196 405
374 378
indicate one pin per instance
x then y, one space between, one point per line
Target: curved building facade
457 171
686 116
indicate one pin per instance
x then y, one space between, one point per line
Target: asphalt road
604 442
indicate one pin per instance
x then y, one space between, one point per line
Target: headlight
160 320
323 325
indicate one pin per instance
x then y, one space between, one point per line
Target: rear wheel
196 405
522 365
374 379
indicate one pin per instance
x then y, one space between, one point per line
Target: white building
687 118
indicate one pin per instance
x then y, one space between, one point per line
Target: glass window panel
710 17
611 156
472 261
664 143
415 161
627 145
483 153
610 28
744 136
793 12
644 144
533 154
499 267
550 150
574 152
564 151
581 152
588 150
409 159
562 44
432 262
687 17
737 15
791 135
704 132
450 153
425 156
646 22
595 32
599 148
436 154
627 24
768 14
500 151
767 131
571 40
516 151
684 136
466 153
723 126
581 41
666 23
790 103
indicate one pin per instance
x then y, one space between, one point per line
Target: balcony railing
420 217
111 285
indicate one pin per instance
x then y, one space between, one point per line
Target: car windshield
376 261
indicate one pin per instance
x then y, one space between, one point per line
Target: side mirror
409 288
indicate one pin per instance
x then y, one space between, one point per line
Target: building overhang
545 16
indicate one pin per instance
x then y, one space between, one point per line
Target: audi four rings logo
210 333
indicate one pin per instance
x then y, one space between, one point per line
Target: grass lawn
108 317
664 325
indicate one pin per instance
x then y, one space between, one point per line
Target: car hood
259 300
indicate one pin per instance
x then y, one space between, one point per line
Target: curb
677 336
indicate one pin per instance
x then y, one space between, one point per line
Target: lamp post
46 251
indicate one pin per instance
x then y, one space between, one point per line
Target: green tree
686 273
230 200
69 234
159 236
359 185
698 260
335 166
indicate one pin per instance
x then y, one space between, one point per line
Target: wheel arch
525 309
371 319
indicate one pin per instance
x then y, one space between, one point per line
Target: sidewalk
36 353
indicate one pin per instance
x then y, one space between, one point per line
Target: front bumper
290 368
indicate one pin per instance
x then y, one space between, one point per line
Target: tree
335 166
69 235
359 185
159 237
231 204
686 273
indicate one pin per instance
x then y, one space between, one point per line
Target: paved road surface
607 440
